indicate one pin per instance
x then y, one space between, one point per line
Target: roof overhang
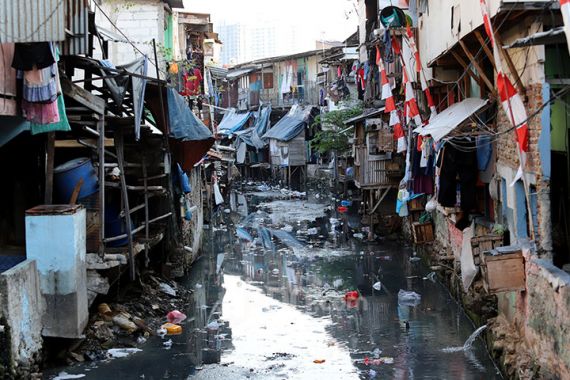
549 37
452 117
365 115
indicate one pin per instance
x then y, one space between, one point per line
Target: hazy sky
331 19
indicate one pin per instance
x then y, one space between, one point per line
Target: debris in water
167 344
172 329
408 298
167 289
67 376
121 352
430 276
175 317
414 259
319 361
377 286
123 321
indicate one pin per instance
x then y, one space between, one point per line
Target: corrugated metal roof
77 23
32 20
450 118
233 74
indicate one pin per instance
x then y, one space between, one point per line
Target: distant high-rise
243 43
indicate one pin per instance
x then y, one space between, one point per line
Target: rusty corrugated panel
77 24
32 20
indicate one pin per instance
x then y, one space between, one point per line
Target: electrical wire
127 38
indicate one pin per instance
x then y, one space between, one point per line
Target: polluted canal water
283 291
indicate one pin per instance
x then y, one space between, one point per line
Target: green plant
331 124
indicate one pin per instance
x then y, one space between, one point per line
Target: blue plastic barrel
67 175
115 225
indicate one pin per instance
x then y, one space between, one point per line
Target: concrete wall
21 310
140 21
58 242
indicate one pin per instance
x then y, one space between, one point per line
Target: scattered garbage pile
117 329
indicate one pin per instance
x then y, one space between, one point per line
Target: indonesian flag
413 112
414 48
399 134
510 98
565 9
386 89
419 70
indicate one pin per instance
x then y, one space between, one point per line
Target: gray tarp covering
118 86
290 125
184 125
252 136
233 121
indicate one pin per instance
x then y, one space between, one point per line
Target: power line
126 37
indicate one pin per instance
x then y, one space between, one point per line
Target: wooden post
120 147
146 211
48 195
101 152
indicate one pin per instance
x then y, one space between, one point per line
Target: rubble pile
128 323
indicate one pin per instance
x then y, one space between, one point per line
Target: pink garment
40 113
8 105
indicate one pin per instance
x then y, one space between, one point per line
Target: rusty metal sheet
32 20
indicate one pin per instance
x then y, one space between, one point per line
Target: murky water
274 308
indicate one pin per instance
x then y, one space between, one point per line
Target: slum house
288 146
198 49
281 81
340 71
498 231
378 168
106 159
252 151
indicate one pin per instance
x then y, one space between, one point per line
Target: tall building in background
244 43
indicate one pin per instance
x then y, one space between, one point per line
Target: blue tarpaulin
233 121
252 136
184 125
290 125
191 139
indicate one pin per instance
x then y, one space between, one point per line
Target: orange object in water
342 209
319 361
172 329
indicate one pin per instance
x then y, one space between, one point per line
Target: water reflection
310 265
269 303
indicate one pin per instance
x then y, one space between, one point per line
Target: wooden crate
422 232
484 243
503 270
414 216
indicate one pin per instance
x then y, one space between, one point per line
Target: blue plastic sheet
184 125
233 121
291 125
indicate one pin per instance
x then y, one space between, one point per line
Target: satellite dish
392 17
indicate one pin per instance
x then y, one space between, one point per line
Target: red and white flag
419 70
399 134
387 96
565 9
413 112
510 98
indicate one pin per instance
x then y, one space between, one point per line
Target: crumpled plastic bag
175 317
409 298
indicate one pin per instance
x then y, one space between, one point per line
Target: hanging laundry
30 55
61 125
8 87
458 166
192 83
40 113
40 85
